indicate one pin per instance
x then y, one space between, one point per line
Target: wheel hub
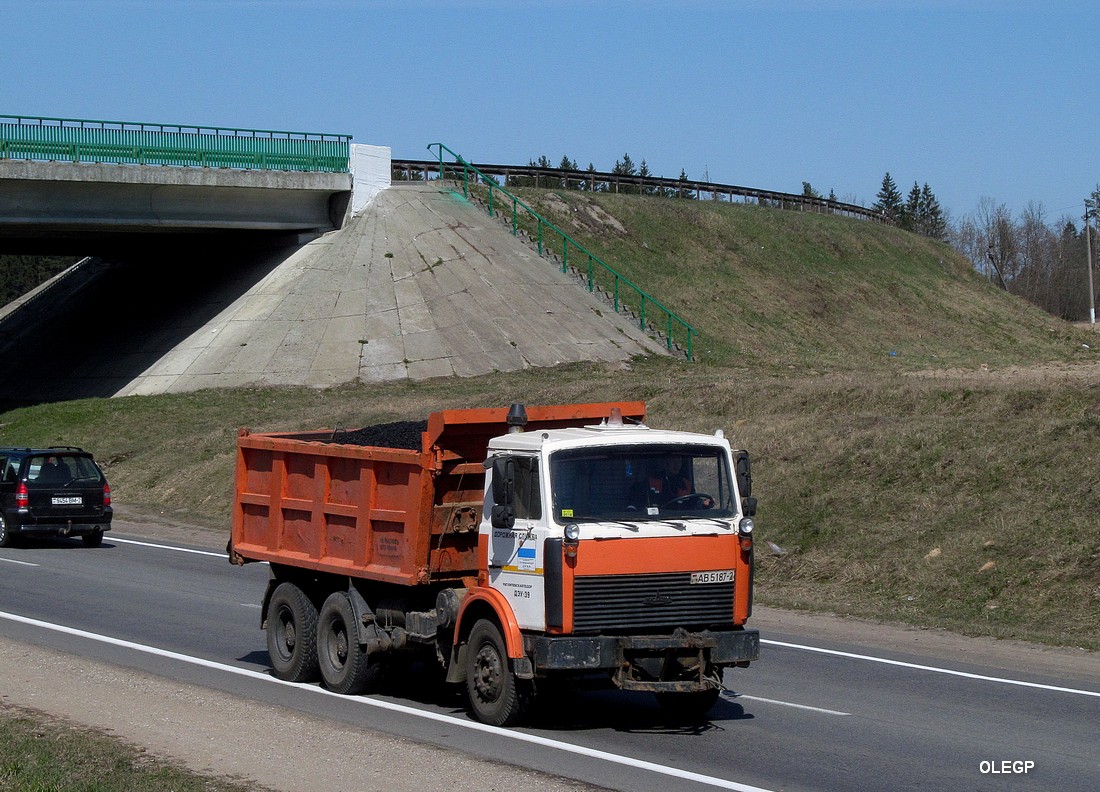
488 674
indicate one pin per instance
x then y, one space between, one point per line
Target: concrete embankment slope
421 284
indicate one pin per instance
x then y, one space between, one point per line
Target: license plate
68 500
718 576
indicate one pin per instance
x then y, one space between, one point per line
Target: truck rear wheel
497 697
345 667
292 634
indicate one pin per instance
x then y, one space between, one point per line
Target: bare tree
997 232
1027 256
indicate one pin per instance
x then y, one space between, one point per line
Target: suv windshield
61 470
641 483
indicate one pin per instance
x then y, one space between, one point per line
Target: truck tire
344 664
292 634
497 697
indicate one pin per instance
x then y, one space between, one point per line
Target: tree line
1042 260
593 181
920 212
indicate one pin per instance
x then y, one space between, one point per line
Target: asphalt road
817 712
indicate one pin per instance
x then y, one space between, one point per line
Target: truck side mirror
748 507
504 486
744 473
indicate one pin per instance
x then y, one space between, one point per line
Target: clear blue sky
994 98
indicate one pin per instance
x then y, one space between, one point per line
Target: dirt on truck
516 549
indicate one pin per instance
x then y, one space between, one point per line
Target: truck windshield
638 483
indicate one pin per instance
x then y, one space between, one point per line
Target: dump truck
518 549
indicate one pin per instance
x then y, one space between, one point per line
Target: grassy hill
778 289
953 484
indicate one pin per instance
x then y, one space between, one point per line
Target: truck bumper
683 661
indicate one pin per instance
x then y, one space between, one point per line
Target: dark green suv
56 491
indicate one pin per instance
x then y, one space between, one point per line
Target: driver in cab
665 481
665 485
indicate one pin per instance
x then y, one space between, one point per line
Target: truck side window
528 496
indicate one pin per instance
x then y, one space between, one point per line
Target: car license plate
68 500
718 576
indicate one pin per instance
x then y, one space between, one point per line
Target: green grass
779 290
40 754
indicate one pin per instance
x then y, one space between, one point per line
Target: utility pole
1089 210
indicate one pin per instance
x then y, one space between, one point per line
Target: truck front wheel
496 696
345 667
292 634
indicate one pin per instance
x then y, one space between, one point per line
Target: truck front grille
632 602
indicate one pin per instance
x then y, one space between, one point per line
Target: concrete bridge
83 206
220 278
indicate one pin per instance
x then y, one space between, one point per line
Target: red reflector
746 543
106 494
22 499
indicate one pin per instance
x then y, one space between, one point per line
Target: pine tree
910 215
808 191
625 167
570 165
591 184
645 173
681 191
932 221
888 201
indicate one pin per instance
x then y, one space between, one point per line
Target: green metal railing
122 142
620 289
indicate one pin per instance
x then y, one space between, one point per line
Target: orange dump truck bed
399 515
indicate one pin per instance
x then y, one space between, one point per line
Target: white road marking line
168 547
593 753
21 563
933 669
788 704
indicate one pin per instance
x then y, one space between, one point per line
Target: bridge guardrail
123 142
621 290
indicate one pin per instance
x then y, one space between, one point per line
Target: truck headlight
745 526
572 532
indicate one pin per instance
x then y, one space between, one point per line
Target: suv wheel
93 539
5 538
